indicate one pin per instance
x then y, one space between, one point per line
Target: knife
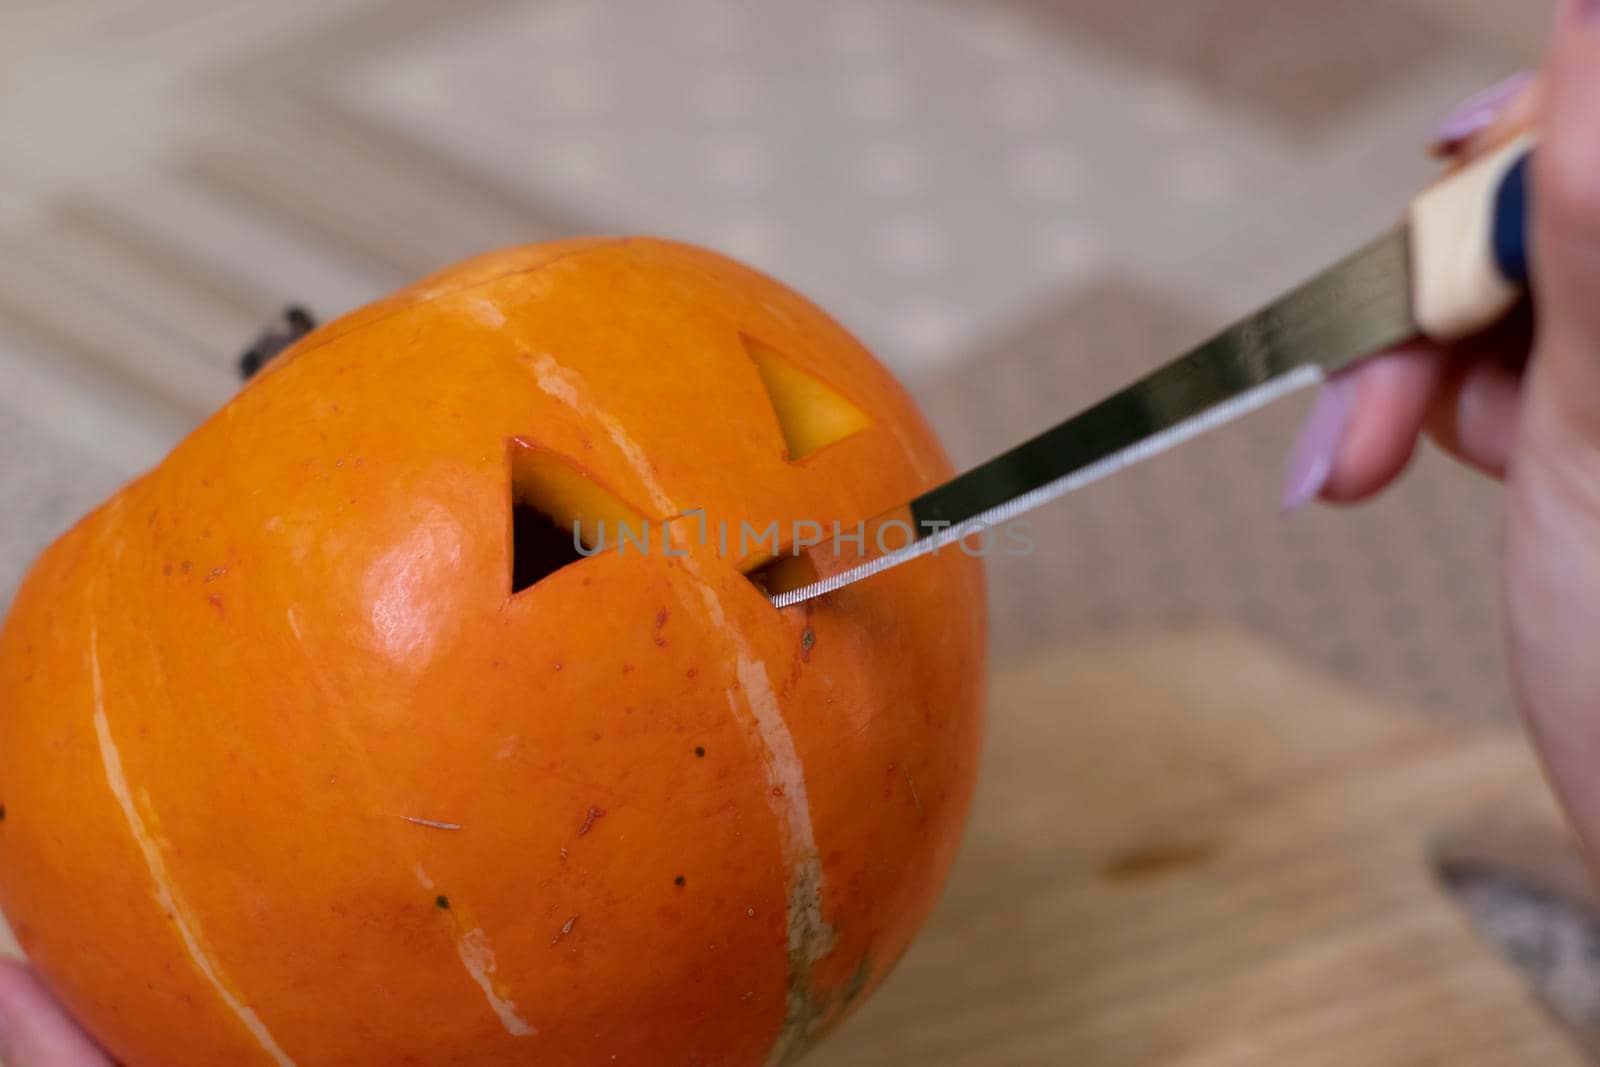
1455 266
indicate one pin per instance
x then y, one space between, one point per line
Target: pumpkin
328 741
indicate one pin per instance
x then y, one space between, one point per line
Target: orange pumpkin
310 753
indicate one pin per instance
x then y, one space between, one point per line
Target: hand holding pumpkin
34 1030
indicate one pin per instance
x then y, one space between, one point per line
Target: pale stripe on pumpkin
166 892
478 958
810 936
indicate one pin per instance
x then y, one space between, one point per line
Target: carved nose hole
539 547
555 509
784 574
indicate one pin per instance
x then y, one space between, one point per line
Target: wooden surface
1188 850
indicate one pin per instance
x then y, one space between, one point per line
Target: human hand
34 1030
1522 404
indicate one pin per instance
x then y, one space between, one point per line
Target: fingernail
1478 112
1311 460
1584 11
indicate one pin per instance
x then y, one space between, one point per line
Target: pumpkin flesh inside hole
811 413
783 574
556 508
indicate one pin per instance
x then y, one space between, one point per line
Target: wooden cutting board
1189 851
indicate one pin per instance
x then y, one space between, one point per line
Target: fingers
1490 118
1392 394
34 1030
1474 415
1363 427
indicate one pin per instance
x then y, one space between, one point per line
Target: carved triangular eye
555 508
810 413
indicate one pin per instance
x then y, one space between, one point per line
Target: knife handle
1469 244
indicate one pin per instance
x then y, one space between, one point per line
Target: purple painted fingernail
1311 461
1587 11
1478 112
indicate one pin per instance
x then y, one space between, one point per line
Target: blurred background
1019 204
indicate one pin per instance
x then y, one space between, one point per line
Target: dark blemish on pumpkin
777 791
205 483
1153 861
680 881
588 581
2 813
566 928
441 901
338 462
807 639
594 736
216 601
691 672
216 572
661 642
166 568
700 750
590 819
627 668
661 618
186 566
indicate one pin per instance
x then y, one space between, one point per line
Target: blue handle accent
1510 236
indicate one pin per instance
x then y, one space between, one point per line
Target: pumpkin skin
290 775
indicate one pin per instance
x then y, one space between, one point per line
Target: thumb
1552 547
34 1030
1566 226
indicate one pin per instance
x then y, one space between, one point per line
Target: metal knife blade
1361 305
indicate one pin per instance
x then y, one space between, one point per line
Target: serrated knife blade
1456 265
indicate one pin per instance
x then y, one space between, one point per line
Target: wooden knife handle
1469 244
